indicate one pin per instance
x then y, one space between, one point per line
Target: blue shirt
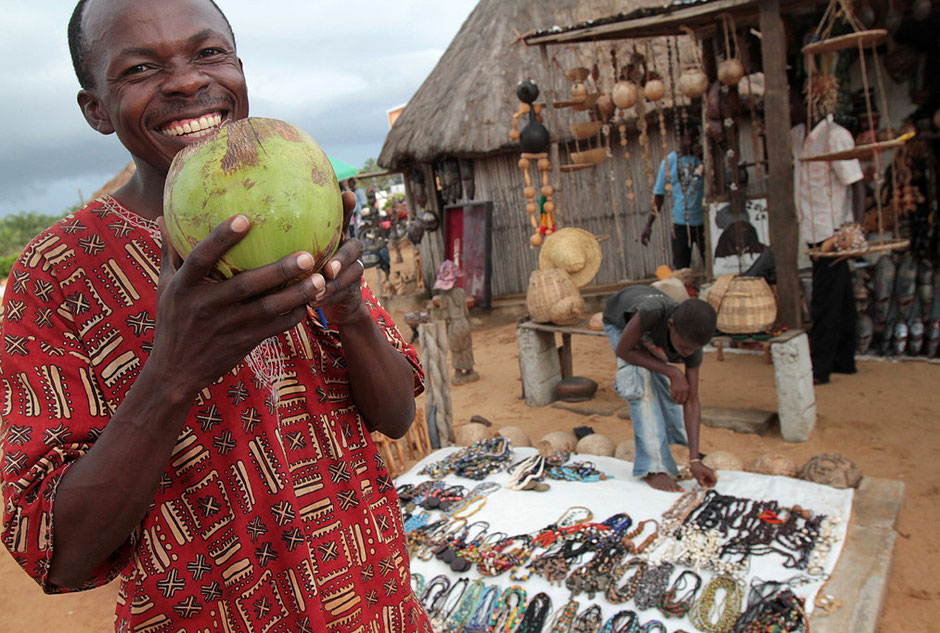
361 203
684 181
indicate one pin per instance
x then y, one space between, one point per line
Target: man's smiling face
164 74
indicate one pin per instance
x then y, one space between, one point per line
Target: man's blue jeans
657 419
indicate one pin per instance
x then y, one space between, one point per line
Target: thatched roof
465 106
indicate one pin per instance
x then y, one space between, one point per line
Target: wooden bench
542 366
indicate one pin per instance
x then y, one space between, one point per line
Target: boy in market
649 332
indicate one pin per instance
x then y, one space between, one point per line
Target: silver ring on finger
359 261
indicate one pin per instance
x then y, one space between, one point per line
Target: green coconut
272 172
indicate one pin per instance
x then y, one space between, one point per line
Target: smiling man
207 441
649 331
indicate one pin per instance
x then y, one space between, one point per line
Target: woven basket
748 306
553 298
718 290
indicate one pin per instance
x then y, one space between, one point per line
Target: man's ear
94 112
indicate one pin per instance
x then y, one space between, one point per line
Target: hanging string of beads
623 96
534 139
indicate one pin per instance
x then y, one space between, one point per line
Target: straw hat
575 251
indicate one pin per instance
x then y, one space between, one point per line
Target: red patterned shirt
275 514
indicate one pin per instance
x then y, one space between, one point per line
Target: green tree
378 183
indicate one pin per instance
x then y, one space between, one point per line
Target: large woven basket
747 306
553 298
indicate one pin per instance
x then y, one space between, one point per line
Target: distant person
361 203
688 191
649 331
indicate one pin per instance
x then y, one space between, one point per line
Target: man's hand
205 327
646 234
704 475
341 296
679 385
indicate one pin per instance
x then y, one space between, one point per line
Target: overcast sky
333 68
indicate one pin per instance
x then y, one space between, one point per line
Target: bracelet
697 459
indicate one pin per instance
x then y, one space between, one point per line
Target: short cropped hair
78 45
695 321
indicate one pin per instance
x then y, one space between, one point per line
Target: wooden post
784 226
434 349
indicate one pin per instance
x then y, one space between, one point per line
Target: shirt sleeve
659 189
388 327
651 311
847 171
52 413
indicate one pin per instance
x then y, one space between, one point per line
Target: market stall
518 542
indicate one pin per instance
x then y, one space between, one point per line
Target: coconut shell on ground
471 433
596 444
773 464
514 434
575 389
625 451
832 469
561 440
723 460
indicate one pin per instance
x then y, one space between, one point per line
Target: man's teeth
194 128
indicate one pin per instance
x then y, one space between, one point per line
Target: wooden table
720 341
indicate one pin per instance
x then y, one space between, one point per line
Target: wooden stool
417 439
387 447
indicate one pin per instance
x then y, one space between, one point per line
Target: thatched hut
454 132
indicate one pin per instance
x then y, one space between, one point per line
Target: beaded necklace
621 622
782 611
417 583
711 617
671 604
430 598
651 625
618 595
450 546
440 612
653 585
533 621
508 610
527 472
578 471
416 521
473 462
504 554
588 621
479 622
473 497
594 576
470 599
565 617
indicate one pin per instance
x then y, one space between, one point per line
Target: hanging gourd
654 88
606 107
730 70
535 140
624 94
693 82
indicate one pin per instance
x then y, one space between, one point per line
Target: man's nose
185 79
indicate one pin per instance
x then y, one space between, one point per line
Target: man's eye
209 52
134 70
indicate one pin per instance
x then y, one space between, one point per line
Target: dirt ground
885 418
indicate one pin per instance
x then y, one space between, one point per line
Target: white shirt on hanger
821 189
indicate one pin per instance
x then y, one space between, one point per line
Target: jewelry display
446 604
588 621
473 462
621 622
564 618
480 620
674 605
508 610
626 590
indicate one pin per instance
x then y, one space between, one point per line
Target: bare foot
662 481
